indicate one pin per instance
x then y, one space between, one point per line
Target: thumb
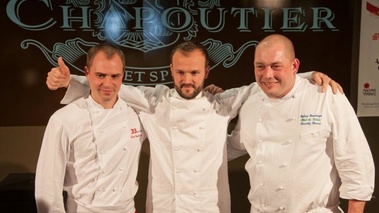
62 67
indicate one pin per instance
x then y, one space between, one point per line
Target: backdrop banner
368 98
35 33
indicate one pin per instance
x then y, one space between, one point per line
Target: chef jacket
188 169
306 150
93 154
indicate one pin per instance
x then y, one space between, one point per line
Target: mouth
187 86
269 84
106 91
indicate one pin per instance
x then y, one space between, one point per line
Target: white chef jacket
93 154
188 170
306 150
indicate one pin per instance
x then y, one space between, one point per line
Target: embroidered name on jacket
310 119
135 133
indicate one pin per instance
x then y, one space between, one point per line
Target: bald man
307 149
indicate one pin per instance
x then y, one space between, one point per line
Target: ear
86 71
207 70
295 66
171 69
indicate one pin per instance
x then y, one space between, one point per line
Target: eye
99 75
116 76
195 72
259 67
275 67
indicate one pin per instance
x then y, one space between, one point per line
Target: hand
58 76
325 81
213 89
356 206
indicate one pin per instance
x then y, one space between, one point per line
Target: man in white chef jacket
91 147
306 148
187 131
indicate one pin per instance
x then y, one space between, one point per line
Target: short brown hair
108 49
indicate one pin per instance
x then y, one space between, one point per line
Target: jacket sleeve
140 98
306 75
51 168
231 100
352 153
235 147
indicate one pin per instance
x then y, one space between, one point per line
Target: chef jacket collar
175 94
94 105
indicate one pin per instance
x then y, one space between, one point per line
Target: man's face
105 78
189 72
274 72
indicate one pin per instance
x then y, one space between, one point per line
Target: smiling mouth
269 83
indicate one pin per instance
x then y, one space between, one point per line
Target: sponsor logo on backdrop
152 25
373 9
368 90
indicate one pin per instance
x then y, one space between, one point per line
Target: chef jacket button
263 205
114 189
260 120
125 148
194 193
196 170
176 149
173 108
178 193
260 141
174 127
290 141
280 188
282 208
199 149
259 162
178 171
283 165
121 169
293 118
261 185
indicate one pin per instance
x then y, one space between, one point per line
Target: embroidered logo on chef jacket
310 119
135 133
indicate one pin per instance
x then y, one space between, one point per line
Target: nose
268 72
187 78
107 81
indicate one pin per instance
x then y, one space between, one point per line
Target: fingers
316 77
336 87
213 89
57 78
54 77
217 90
326 81
63 68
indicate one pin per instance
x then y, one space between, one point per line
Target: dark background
26 103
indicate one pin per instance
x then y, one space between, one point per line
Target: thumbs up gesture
58 76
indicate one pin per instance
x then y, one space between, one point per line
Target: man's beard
190 96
